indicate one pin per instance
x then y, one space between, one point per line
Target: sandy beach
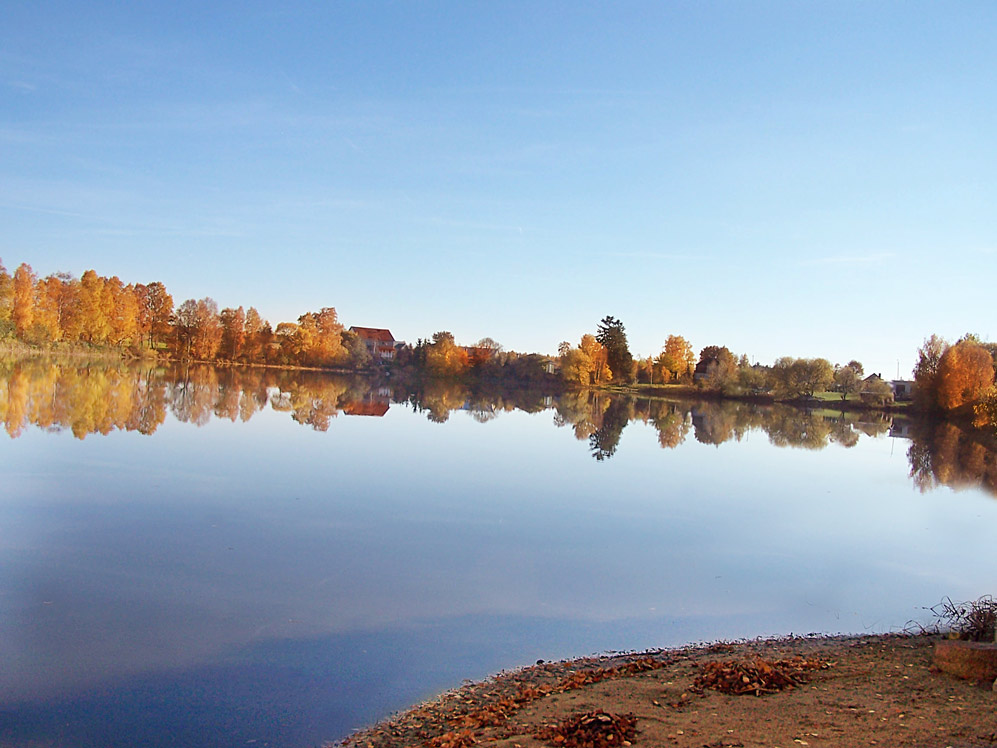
812 691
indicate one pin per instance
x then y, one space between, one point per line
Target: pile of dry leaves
757 676
596 729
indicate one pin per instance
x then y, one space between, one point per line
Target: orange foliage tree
155 309
23 312
233 332
965 373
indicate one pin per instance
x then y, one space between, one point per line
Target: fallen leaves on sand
463 720
455 739
596 729
498 711
756 676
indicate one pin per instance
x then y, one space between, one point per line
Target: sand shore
836 691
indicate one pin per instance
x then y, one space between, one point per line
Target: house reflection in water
375 403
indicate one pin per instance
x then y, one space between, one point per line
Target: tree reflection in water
944 454
98 398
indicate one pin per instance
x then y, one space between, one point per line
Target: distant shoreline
662 391
691 392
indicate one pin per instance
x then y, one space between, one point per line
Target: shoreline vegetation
103 318
812 690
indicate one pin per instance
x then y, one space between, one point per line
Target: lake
223 557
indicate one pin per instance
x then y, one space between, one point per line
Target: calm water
211 557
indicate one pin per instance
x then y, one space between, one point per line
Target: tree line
98 311
94 310
604 358
952 379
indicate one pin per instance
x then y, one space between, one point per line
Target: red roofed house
380 343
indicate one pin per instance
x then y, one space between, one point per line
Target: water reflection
943 454
600 419
90 398
291 554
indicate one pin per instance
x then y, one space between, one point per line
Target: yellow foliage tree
677 358
45 328
599 357
444 358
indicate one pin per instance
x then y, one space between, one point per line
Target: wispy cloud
38 209
873 259
164 230
476 225
650 255
24 86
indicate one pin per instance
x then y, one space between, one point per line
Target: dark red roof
374 333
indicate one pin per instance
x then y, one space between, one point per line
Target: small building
903 389
705 369
381 344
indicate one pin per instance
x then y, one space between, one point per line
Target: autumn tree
646 370
576 366
257 335
444 358
233 322
93 325
599 359
800 377
612 335
752 378
815 375
122 311
926 370
208 335
677 358
848 378
965 373
155 307
483 354
197 329
184 326
717 367
985 411
70 313
320 338
489 344
875 391
46 327
23 311
6 302
357 354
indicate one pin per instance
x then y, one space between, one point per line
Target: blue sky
784 178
